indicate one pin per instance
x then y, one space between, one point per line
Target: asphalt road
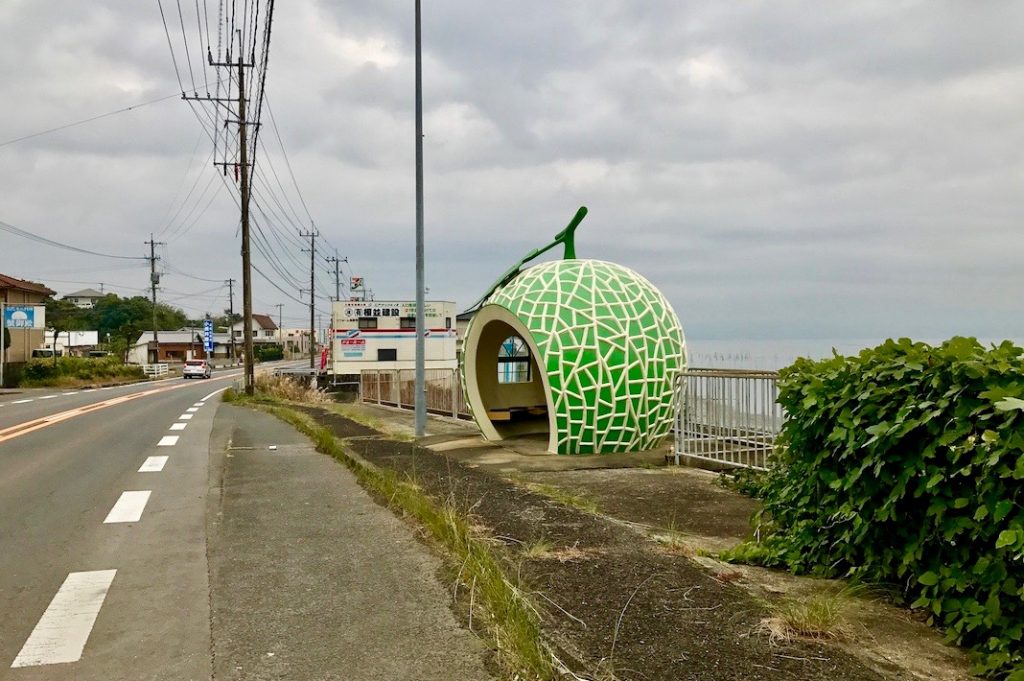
57 486
149 533
93 551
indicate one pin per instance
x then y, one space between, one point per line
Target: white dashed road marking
129 507
20 401
47 397
167 441
192 410
64 628
67 394
178 426
198 404
185 417
153 464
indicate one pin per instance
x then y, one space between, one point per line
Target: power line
88 120
56 244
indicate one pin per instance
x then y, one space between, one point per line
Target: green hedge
267 353
905 465
43 371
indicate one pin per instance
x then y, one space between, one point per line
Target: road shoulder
309 577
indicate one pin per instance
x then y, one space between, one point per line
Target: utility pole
337 274
154 279
280 327
231 317
242 169
421 386
312 235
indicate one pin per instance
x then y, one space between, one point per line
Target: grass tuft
820 616
539 548
564 496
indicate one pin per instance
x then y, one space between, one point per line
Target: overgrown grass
74 372
289 389
508 618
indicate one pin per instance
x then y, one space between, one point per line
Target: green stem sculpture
567 237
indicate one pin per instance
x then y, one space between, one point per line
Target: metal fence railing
727 416
397 388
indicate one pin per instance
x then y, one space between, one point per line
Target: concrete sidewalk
310 578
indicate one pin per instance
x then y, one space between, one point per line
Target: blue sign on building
20 317
208 336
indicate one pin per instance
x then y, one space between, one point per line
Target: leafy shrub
904 465
747 481
267 353
77 369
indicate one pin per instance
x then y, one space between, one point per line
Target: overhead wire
57 244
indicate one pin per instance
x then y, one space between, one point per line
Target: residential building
86 298
178 346
20 292
264 330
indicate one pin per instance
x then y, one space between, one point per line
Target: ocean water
776 354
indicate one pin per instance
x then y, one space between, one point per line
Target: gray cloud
780 170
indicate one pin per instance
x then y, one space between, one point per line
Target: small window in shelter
514 361
408 323
367 322
387 355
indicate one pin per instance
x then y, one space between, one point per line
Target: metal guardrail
729 417
154 370
397 388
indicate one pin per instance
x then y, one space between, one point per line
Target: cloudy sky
779 170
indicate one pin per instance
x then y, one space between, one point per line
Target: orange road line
27 427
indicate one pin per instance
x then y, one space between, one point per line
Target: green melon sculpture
600 355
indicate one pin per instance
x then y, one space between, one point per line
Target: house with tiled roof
264 330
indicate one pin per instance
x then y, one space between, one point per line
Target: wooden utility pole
337 274
280 327
154 279
231 317
243 151
312 235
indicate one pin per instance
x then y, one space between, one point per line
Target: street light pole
421 392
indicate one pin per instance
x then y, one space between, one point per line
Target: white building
264 330
69 342
86 298
382 335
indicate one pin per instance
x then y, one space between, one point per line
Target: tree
61 316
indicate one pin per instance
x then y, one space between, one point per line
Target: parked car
196 368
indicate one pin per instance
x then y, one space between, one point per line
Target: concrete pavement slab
310 578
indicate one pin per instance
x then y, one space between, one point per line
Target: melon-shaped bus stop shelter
586 351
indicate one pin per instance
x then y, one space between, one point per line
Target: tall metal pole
421 388
250 373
